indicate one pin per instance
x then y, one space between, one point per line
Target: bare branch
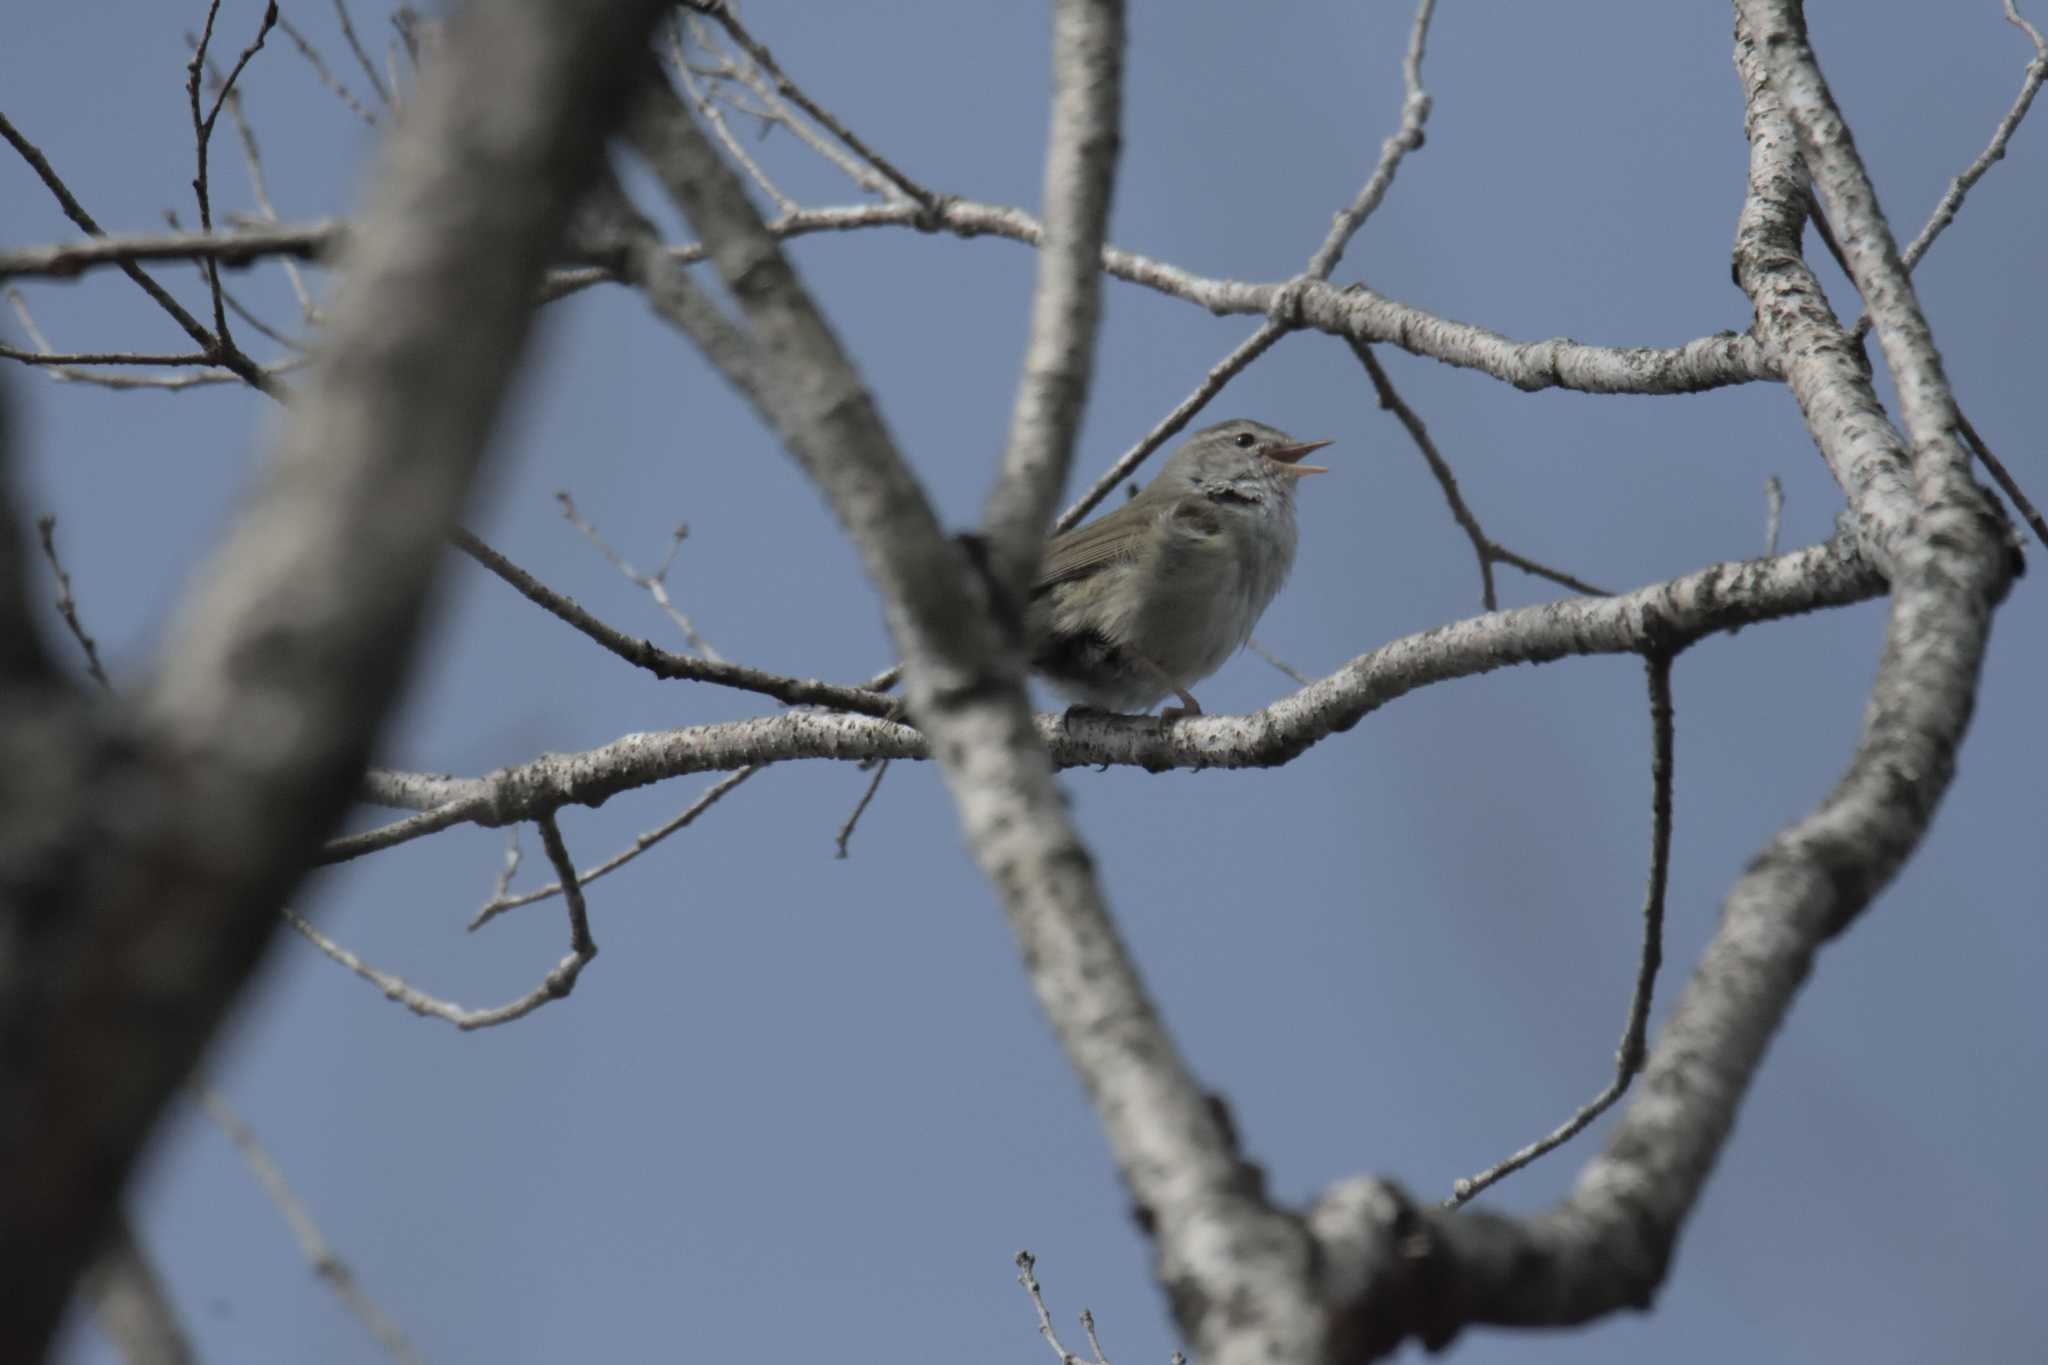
708 107
1699 365
244 246
1942 546
355 45
1952 199
75 211
252 158
305 617
1059 360
1665 615
1294 674
504 900
349 846
65 359
556 985
67 605
1026 1263
655 584
202 139
1094 1344
326 77
966 691
72 368
665 663
1404 139
789 90
1628 1058
320 1254
2006 483
1485 548
845 835
777 110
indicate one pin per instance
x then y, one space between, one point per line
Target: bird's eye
1245 440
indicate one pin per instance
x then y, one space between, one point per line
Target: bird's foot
1188 707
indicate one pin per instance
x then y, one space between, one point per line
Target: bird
1151 598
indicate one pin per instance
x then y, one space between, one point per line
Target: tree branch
250 740
965 690
1628 1058
326 1263
1059 360
1664 615
666 663
1401 1272
1705 363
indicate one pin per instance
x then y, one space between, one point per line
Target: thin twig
1774 513
326 77
70 367
63 358
1025 1262
845 835
1628 1058
683 819
824 117
509 868
326 1262
709 108
347 846
1952 199
355 45
252 158
666 663
67 605
231 359
1405 138
2004 479
556 985
202 139
248 315
1095 1345
777 110
655 584
1294 674
1705 363
1488 550
54 363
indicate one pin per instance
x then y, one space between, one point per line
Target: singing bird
1153 597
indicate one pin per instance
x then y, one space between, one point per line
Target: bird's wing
1081 551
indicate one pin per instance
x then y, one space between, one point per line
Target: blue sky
801 1106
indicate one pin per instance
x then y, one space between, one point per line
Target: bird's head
1239 460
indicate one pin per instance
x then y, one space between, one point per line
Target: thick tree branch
1664 615
203 806
1608 1245
965 689
1059 360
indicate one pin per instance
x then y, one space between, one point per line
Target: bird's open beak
1288 457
